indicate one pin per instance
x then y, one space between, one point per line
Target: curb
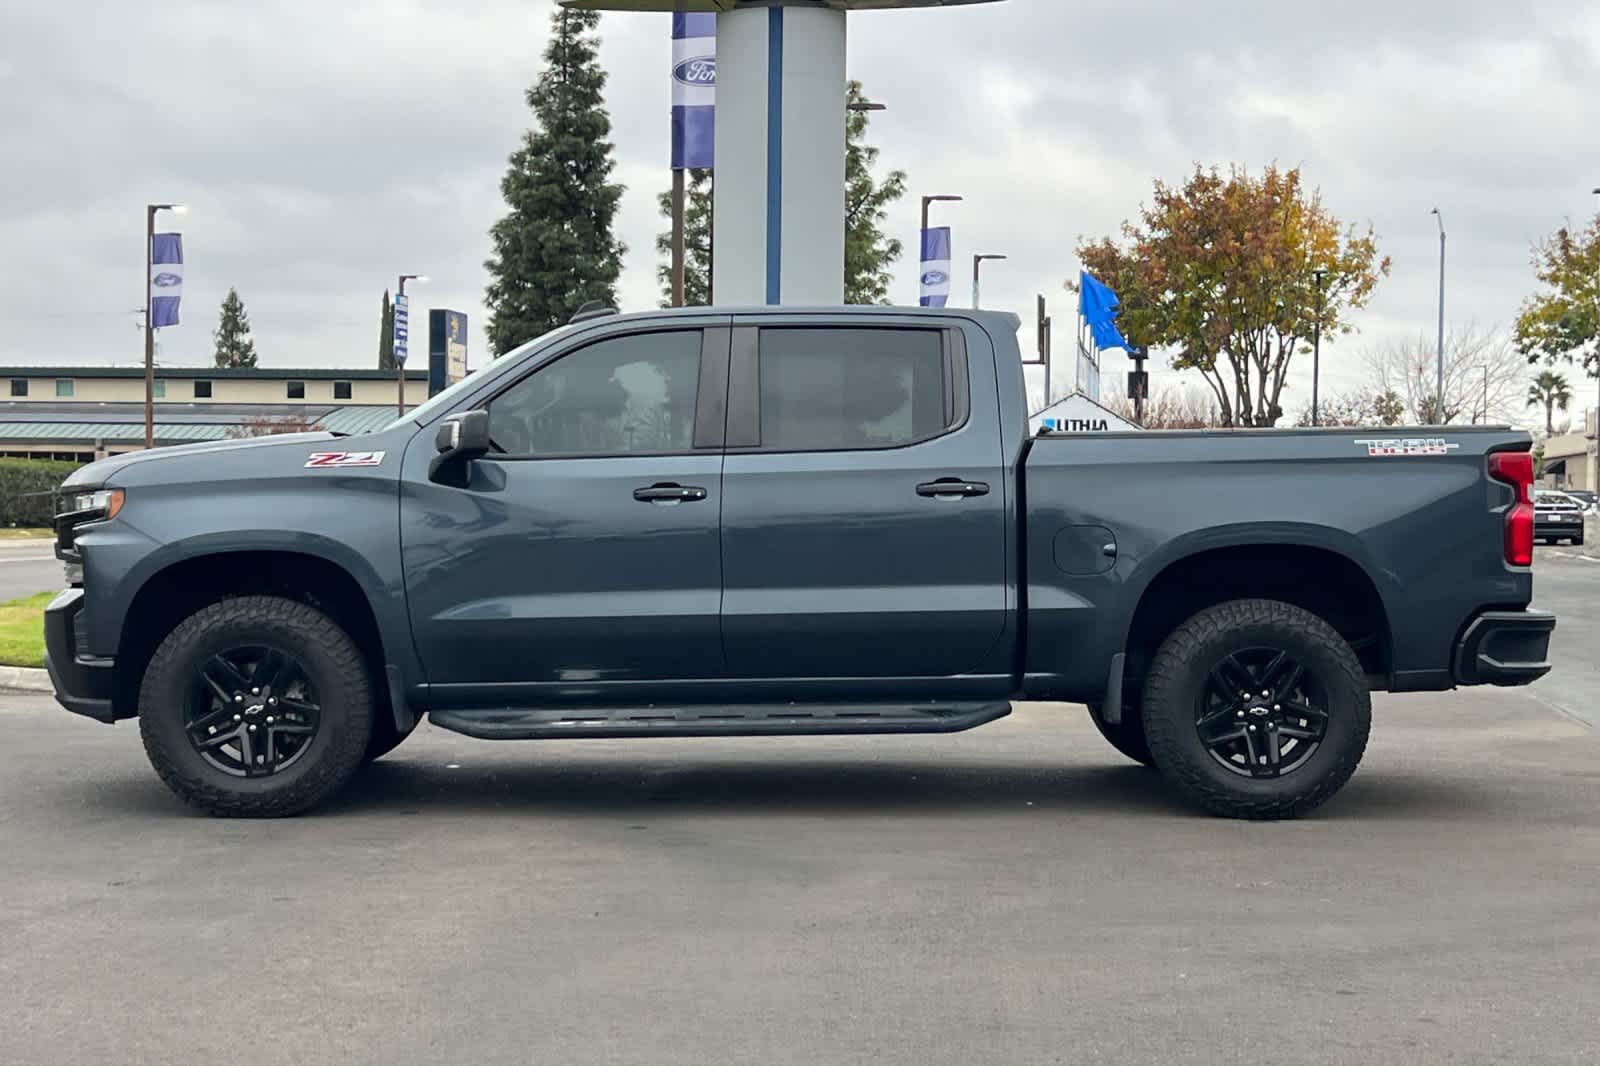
25 678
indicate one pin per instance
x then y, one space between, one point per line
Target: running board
756 720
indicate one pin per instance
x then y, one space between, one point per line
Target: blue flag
935 267
166 278
694 91
1098 306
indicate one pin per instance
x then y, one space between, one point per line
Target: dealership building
84 413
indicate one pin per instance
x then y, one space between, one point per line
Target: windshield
445 399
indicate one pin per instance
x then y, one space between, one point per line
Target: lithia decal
1409 446
327 459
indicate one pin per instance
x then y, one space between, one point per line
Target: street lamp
1316 346
926 200
1438 409
977 267
400 361
1594 469
859 106
149 330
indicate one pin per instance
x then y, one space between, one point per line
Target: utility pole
1316 347
1438 409
150 330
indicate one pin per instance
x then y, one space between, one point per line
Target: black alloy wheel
1259 714
252 712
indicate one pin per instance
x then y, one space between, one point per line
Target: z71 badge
322 460
1409 446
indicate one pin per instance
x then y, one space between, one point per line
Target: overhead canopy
729 5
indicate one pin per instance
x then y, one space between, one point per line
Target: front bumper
1505 648
1547 527
83 683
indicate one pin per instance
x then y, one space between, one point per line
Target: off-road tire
1127 736
1172 691
328 656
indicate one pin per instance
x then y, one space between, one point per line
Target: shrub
27 490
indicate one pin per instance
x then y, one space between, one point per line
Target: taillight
1516 469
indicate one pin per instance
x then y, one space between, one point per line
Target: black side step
756 720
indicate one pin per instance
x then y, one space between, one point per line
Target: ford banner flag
166 278
694 91
935 266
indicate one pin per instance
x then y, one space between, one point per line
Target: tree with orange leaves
1221 272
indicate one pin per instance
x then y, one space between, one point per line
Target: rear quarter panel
1427 529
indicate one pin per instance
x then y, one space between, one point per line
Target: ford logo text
701 70
166 281
935 277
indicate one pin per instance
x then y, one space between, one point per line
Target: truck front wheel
256 706
1256 709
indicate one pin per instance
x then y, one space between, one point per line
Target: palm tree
1550 390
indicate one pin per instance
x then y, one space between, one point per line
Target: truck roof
1002 320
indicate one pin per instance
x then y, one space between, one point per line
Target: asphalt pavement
27 567
1017 894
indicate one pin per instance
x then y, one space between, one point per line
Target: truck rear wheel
1127 736
256 706
1256 709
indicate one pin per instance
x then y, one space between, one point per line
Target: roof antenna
593 309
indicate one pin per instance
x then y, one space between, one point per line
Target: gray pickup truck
779 522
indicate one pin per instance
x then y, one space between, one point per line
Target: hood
103 471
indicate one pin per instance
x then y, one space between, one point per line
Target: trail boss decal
1408 446
340 459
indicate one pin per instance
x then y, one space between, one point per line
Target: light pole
401 354
149 330
977 268
1316 346
926 200
1438 400
1594 467
859 106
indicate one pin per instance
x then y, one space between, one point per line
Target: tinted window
19 386
158 389
202 390
297 390
832 389
341 390
64 387
621 396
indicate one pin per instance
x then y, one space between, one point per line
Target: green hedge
27 490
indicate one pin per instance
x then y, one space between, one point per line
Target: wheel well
185 587
1327 584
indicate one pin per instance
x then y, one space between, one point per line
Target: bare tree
1367 407
267 426
1189 407
1485 377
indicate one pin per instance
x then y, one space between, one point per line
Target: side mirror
461 439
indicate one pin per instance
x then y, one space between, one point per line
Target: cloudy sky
326 147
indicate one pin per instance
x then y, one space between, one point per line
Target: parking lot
1019 893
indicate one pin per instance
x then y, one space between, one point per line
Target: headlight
98 505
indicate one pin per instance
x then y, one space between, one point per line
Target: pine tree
232 335
696 242
555 250
386 337
868 253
